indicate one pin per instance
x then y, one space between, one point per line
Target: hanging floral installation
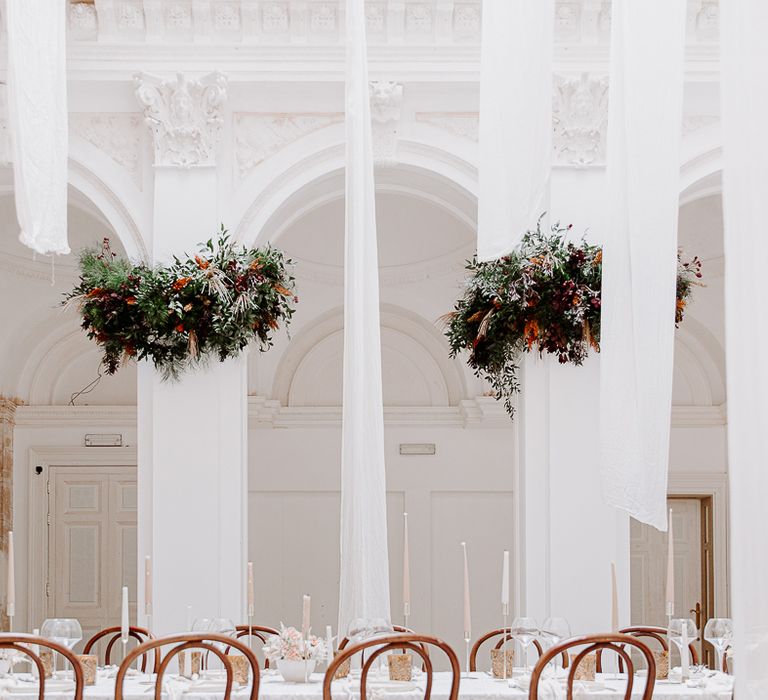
544 297
211 305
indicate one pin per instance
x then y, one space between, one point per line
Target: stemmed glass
62 630
679 628
719 633
524 630
553 631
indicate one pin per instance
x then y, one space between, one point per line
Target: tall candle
305 617
614 600
250 589
467 614
684 651
124 623
505 584
11 587
670 568
147 585
406 569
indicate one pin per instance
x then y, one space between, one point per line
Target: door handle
697 611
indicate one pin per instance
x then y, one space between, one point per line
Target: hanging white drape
744 77
515 121
37 120
364 586
640 254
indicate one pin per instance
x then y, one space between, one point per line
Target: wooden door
649 566
92 544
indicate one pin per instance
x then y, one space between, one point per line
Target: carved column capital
386 106
184 116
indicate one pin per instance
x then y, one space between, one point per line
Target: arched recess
309 373
112 193
313 159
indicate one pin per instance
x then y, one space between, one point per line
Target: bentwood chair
596 643
413 643
395 628
658 634
500 643
257 631
112 635
207 643
27 644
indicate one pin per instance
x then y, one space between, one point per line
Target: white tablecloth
479 687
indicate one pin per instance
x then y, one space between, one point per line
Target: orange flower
94 292
598 258
285 292
180 328
256 265
131 301
681 304
576 300
202 264
181 283
531 332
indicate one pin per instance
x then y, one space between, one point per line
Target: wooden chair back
592 644
658 634
414 643
500 643
26 645
206 642
257 631
113 634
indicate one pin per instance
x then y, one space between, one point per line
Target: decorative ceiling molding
695 122
258 135
184 116
463 124
118 134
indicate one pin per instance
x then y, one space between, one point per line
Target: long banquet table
480 686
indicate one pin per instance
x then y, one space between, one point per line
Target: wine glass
553 631
62 630
682 632
524 630
719 633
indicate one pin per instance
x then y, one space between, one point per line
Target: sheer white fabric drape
640 249
515 121
364 588
744 91
37 120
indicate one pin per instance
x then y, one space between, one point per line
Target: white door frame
716 486
37 514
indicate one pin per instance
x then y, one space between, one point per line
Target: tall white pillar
192 432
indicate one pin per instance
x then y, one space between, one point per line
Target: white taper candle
614 600
305 617
406 569
467 612
124 620
251 597
670 568
505 583
11 583
147 585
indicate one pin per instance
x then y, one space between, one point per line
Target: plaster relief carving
184 116
386 105
463 124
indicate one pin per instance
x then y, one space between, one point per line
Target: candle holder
250 626
406 614
504 639
466 673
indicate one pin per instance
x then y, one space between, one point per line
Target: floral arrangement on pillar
210 305
544 297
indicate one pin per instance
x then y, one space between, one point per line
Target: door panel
92 543
648 552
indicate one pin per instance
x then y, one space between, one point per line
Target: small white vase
296 671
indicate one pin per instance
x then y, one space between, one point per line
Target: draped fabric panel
37 120
640 250
744 77
364 592
515 121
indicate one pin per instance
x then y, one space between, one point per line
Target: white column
192 432
568 535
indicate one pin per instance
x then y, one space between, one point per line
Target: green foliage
210 305
545 297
